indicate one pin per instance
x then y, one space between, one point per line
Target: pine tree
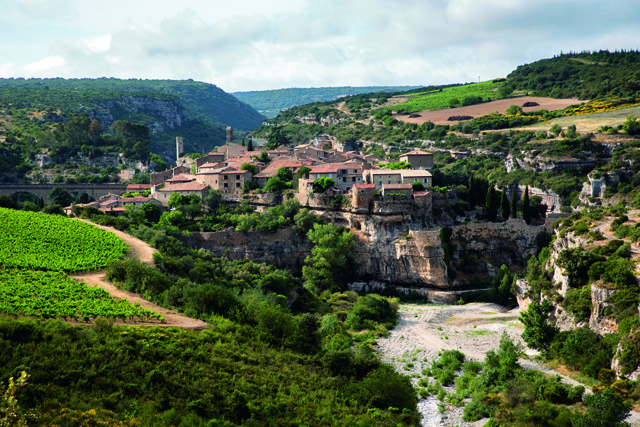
250 145
505 209
526 207
514 204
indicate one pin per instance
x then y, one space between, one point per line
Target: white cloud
282 43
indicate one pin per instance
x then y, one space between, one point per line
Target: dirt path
144 253
474 329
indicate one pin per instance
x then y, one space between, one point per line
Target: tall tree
538 332
526 207
61 197
505 208
514 204
330 262
250 145
492 203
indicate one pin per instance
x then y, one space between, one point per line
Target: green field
439 99
591 122
37 241
52 294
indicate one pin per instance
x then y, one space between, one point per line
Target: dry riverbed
423 330
474 329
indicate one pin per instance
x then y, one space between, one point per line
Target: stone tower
229 134
179 148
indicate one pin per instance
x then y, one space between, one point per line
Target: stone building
418 159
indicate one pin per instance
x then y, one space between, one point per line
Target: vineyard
50 242
52 294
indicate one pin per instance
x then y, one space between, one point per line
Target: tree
10 413
492 203
276 137
212 200
60 196
263 157
526 206
604 408
514 204
249 167
330 262
275 184
417 186
321 185
285 174
514 110
302 172
556 129
250 145
505 208
538 333
631 126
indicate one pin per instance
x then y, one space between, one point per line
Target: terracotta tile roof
136 199
183 177
397 186
138 186
334 167
421 193
364 186
384 172
185 186
413 172
417 153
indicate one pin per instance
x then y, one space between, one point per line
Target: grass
479 332
591 122
437 100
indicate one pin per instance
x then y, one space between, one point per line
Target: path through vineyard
144 253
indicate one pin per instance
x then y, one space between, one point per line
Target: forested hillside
271 102
197 111
585 75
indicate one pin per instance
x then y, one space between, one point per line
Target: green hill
271 102
585 75
197 111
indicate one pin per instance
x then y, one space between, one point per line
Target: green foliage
329 265
492 203
249 167
395 165
35 241
526 207
181 377
48 294
321 185
538 332
604 408
585 75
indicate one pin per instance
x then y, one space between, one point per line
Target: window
237 185
226 177
226 184
237 176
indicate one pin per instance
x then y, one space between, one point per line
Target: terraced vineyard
50 242
52 294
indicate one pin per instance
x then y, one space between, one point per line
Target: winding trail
143 252
474 329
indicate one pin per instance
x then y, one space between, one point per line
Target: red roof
334 167
136 199
181 178
421 193
396 186
364 186
138 186
185 186
417 153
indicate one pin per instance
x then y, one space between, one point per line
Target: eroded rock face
600 301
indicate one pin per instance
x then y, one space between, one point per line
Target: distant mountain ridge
271 102
198 111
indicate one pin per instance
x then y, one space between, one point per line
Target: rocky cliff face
389 249
168 114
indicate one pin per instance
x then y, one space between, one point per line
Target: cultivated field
440 117
37 241
591 122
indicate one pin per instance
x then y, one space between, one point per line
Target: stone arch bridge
42 190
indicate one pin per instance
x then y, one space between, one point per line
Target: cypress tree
472 191
250 145
526 207
243 142
492 203
505 209
514 204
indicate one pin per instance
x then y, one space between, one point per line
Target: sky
247 45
